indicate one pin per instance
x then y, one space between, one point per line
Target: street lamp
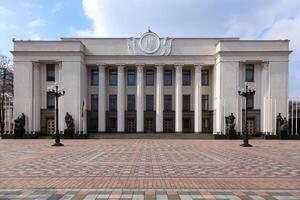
56 92
247 92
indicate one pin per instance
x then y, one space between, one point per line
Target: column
198 100
61 112
265 98
140 99
36 98
101 99
159 98
121 99
178 99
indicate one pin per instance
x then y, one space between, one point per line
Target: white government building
151 84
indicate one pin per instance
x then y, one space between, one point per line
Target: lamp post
247 92
56 92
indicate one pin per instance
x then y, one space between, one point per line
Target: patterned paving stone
91 194
144 164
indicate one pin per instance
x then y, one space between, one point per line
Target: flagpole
296 116
292 126
275 122
10 115
224 133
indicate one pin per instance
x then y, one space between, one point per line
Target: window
249 73
149 103
168 103
112 102
204 77
186 123
94 102
113 77
186 77
186 103
131 102
204 102
149 77
250 102
50 72
131 77
168 77
50 101
94 77
205 123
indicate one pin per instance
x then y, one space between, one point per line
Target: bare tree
6 85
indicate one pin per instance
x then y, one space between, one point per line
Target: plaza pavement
149 169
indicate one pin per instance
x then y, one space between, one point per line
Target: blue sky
251 19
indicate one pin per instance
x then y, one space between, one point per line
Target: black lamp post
247 92
56 92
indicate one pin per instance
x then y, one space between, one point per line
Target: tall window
168 77
113 77
149 102
94 77
112 102
205 123
131 102
204 102
131 77
186 103
186 77
249 73
94 102
149 77
50 72
168 103
50 101
204 77
186 123
250 102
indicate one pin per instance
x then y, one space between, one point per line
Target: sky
247 19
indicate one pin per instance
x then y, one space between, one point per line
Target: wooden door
50 126
149 126
131 125
168 126
250 127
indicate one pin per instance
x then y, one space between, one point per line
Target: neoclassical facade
151 84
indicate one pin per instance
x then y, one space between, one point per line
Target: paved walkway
163 168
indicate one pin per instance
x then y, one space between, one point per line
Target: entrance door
131 125
149 126
250 126
168 125
50 126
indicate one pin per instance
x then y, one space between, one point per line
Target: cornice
252 53
45 53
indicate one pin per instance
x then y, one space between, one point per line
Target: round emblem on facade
149 42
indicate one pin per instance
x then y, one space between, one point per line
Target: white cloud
7 26
36 23
93 9
35 37
57 7
288 28
252 23
26 5
6 12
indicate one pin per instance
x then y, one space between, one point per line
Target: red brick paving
150 164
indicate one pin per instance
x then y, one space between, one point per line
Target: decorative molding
140 68
178 68
198 67
150 44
